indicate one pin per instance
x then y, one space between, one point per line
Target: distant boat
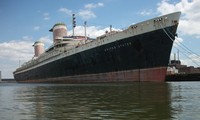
139 53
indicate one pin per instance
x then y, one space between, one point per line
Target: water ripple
142 101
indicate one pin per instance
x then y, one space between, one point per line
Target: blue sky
18 18
25 21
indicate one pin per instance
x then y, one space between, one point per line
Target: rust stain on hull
140 75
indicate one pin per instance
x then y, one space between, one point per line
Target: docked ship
139 53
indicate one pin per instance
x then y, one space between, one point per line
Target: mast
85 23
178 54
175 56
73 23
110 28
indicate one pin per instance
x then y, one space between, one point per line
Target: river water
129 101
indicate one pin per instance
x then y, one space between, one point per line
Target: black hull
142 52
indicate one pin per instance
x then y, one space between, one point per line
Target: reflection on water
144 101
185 100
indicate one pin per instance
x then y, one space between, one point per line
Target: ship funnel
39 48
59 30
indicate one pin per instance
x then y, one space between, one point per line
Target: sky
23 22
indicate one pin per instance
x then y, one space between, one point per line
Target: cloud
66 11
15 52
86 14
12 54
27 38
92 5
7 67
195 58
189 23
46 16
47 41
178 41
15 49
191 60
36 28
146 12
91 31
